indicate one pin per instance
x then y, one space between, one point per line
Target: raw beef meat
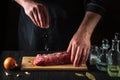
58 58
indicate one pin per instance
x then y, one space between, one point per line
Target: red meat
58 58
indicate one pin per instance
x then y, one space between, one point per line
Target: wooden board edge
59 67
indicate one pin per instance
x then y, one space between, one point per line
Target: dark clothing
65 18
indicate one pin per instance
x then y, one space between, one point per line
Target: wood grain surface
27 64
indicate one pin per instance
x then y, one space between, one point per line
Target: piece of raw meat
58 58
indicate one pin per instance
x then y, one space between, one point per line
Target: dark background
8 31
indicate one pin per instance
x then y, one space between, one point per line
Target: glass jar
114 58
93 55
101 62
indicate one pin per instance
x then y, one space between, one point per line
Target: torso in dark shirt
65 18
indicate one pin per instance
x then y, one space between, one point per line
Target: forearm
89 23
95 9
23 2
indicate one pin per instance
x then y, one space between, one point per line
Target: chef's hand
37 13
79 48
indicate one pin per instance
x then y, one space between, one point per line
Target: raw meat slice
58 58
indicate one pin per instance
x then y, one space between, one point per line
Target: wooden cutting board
27 64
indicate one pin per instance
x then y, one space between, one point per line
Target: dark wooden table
45 74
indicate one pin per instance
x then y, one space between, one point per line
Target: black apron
65 18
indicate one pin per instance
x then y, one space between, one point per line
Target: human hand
79 48
37 13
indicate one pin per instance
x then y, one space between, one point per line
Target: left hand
79 48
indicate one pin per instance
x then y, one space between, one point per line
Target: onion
10 63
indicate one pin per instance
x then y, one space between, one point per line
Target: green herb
90 76
79 74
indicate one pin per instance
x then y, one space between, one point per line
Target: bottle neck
115 45
104 48
104 51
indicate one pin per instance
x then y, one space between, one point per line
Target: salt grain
18 75
27 73
7 74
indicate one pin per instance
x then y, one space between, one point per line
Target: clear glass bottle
114 58
101 62
93 55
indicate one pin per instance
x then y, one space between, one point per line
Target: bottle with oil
101 62
114 58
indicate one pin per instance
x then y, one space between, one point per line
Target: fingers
73 52
85 55
69 48
45 18
39 16
72 49
31 15
79 55
36 17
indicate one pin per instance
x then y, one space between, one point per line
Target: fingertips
69 48
72 56
88 51
45 17
77 59
73 52
85 56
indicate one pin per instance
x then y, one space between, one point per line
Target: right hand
37 13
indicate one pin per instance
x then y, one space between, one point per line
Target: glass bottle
114 58
101 62
93 55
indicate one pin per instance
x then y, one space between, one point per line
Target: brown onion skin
10 63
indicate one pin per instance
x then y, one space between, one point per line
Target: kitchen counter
18 74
